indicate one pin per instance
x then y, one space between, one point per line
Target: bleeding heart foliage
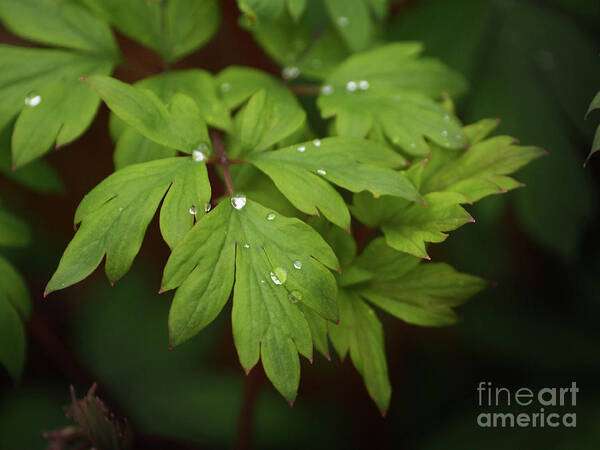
276 228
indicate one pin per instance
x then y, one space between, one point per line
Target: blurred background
533 64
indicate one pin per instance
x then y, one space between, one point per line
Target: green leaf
261 125
173 28
480 171
132 147
179 126
15 307
12 339
596 143
115 214
13 231
407 227
14 290
361 333
59 23
41 87
352 20
392 87
296 8
238 84
280 263
354 164
259 11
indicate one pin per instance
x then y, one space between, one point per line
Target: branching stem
219 147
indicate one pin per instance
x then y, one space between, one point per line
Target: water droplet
271 216
327 89
413 145
298 264
301 149
445 133
246 245
317 143
262 281
364 85
342 21
207 207
278 276
351 86
198 155
225 87
321 172
238 201
33 99
289 73
295 296
446 117
192 210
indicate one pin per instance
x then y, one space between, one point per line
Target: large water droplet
317 143
301 149
192 210
238 201
198 155
295 296
246 245
321 171
298 264
278 275
33 99
351 86
342 21
271 216
225 87
207 207
327 89
289 73
262 281
364 85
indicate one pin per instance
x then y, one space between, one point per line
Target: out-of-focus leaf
12 339
115 214
172 28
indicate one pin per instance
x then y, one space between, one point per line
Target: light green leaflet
40 86
238 84
115 214
392 87
303 173
448 178
172 28
280 266
179 125
132 147
422 294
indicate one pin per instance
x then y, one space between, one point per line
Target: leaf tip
171 347
472 219
328 357
310 360
291 403
383 414
15 167
45 294
161 291
545 152
112 283
493 284
82 78
427 257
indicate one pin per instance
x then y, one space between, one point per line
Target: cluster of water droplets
352 85
33 99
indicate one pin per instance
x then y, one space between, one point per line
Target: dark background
535 65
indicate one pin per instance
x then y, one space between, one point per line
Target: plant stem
251 389
305 90
219 147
